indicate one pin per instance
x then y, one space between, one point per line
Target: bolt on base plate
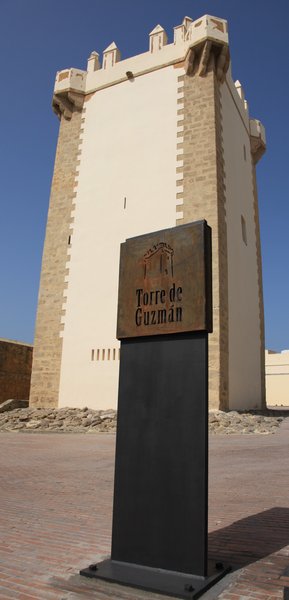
171 583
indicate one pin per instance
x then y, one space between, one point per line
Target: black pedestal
159 538
170 583
161 471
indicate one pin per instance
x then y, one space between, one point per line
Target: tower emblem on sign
158 260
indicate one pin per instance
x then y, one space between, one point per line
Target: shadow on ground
252 538
240 544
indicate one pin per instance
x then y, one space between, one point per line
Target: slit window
244 230
105 354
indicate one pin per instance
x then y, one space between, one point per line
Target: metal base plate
171 583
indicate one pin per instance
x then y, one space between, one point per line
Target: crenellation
186 36
180 31
111 56
158 39
240 103
240 90
179 34
93 63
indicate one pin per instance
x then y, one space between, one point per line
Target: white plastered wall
126 187
244 321
277 378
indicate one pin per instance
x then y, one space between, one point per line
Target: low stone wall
75 420
15 370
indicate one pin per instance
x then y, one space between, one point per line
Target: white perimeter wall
244 325
277 378
128 151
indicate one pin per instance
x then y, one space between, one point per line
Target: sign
160 511
164 282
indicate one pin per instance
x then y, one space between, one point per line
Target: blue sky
39 37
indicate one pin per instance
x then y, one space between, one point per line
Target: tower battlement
201 37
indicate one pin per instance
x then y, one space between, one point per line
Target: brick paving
56 504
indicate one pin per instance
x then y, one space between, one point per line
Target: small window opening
124 202
92 354
244 230
108 354
245 152
97 354
103 354
69 240
113 354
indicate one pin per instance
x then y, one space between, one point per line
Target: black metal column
161 473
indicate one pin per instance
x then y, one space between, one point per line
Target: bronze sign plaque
165 282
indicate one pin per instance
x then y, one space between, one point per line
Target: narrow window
69 240
97 354
124 202
92 354
103 354
245 153
113 354
244 230
108 354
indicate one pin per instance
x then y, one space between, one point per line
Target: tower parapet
69 91
257 139
208 28
195 42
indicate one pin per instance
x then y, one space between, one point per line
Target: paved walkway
56 504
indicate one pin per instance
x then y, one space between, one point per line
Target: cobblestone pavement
56 504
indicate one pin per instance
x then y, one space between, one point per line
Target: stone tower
159 139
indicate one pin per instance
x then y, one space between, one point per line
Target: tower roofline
160 54
194 40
